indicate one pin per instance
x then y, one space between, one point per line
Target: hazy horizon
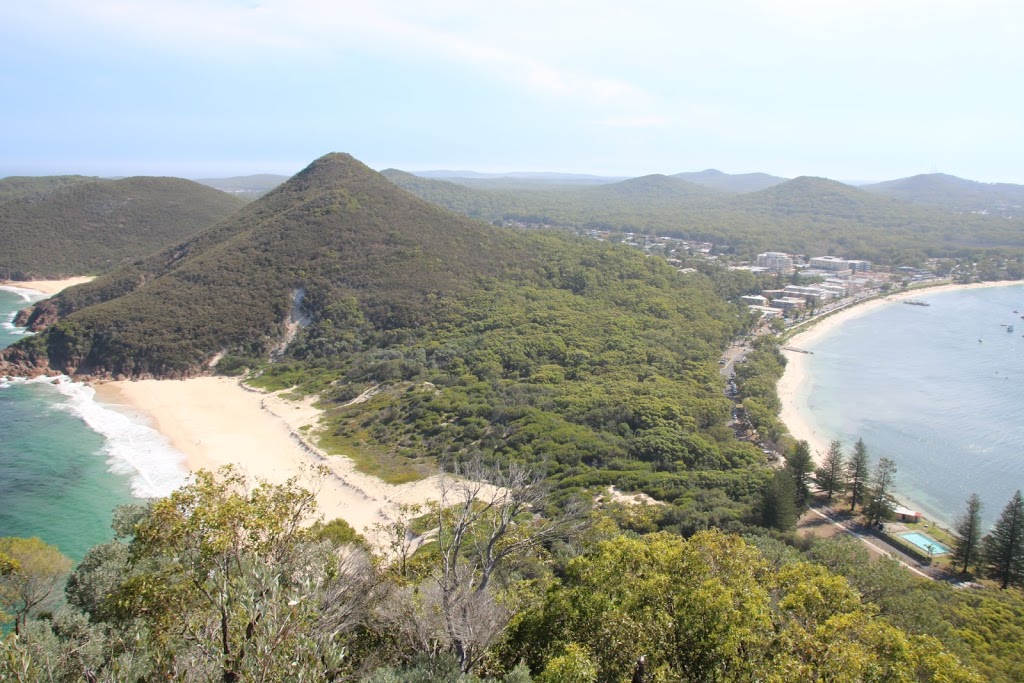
866 90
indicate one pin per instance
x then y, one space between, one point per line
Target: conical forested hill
522 345
68 225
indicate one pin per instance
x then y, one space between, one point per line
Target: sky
850 90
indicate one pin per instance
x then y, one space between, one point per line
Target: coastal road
733 355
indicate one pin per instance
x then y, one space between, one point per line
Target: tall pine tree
857 471
831 476
800 465
880 501
968 534
778 502
1003 548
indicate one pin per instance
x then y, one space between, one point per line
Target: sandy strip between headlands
215 421
48 287
794 412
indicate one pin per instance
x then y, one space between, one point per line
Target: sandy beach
48 287
794 412
215 421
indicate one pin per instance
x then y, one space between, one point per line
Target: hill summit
523 346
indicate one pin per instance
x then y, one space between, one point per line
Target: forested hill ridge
739 182
13 187
69 225
802 215
521 345
955 194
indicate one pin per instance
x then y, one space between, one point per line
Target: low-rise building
755 300
788 303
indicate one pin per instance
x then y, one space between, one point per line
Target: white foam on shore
24 292
12 329
156 468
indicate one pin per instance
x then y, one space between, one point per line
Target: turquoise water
925 543
919 387
66 462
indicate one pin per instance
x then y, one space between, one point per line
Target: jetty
793 348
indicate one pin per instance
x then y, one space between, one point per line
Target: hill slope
520 345
728 182
955 194
87 227
13 187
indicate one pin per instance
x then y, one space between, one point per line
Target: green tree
800 465
778 504
857 473
880 501
968 533
33 573
231 584
1003 547
831 476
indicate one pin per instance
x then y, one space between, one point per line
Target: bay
66 461
937 388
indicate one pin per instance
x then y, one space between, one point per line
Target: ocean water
67 461
939 389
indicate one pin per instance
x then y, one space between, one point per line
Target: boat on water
1009 328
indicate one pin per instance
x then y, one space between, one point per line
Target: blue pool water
925 543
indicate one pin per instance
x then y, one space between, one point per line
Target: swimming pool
925 543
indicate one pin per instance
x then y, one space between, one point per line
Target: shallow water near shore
66 461
919 387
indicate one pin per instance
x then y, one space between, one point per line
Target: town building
834 264
776 262
788 303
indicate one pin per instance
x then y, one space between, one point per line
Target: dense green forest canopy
225 580
588 359
13 187
804 215
69 225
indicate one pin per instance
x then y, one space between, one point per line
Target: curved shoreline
215 421
794 413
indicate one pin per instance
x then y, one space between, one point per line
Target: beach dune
215 421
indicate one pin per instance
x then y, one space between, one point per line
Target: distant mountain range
801 215
743 182
941 191
955 194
